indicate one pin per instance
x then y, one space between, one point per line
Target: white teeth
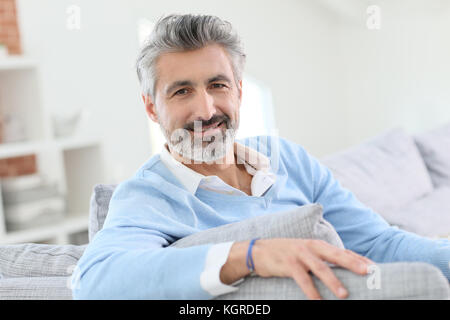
213 127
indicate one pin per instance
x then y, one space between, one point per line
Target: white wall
398 75
334 82
92 67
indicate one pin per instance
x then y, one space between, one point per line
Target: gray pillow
302 222
393 281
379 171
404 280
283 224
434 146
427 216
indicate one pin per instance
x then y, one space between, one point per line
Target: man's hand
294 258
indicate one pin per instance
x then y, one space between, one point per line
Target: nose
204 106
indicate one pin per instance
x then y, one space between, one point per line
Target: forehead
195 65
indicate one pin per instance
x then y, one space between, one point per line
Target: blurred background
325 74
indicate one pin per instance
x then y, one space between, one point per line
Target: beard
190 143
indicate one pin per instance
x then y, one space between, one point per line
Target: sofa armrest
400 280
35 288
38 260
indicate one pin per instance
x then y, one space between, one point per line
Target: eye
218 85
181 92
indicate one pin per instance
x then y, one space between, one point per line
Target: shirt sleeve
210 277
366 232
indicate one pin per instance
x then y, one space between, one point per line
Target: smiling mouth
209 127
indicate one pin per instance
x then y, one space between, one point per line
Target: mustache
214 119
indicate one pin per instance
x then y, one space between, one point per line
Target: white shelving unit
74 162
16 63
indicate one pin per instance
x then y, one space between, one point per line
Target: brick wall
9 29
18 166
9 36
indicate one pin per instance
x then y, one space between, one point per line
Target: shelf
16 63
16 149
75 142
73 223
74 162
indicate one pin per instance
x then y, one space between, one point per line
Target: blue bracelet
250 264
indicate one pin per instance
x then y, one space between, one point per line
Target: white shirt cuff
210 277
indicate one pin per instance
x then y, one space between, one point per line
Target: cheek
164 118
174 119
232 107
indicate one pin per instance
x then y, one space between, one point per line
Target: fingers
344 258
364 259
304 281
295 257
324 273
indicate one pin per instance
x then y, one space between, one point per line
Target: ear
240 91
150 108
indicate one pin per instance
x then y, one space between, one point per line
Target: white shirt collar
255 163
188 177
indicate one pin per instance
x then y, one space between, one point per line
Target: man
190 70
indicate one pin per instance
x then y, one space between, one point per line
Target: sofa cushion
434 146
302 222
428 216
404 280
384 173
35 288
99 206
38 260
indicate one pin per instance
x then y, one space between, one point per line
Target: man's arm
130 258
365 232
133 264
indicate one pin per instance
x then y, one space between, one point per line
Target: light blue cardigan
129 257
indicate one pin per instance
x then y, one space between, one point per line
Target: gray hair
176 33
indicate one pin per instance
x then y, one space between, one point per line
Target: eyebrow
181 83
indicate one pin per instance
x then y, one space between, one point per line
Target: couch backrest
434 146
384 173
99 206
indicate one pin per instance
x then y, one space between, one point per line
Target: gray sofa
406 179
